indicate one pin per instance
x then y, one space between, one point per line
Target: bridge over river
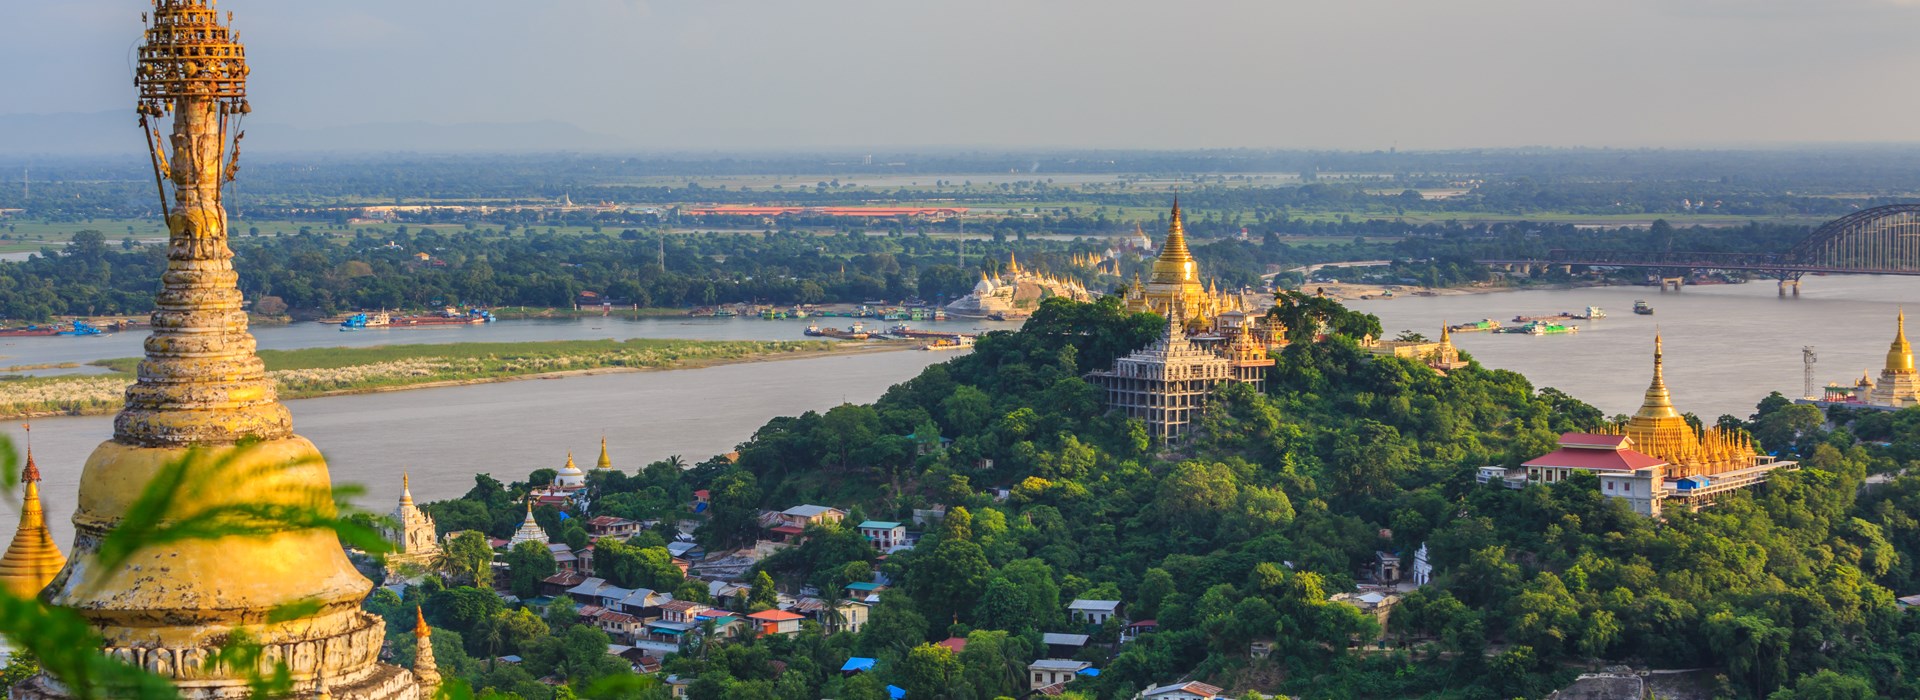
1878 241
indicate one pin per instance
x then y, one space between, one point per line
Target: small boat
1641 307
1593 313
855 332
1541 328
363 321
960 342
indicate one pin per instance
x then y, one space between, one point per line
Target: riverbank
316 372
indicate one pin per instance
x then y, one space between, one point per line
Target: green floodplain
312 372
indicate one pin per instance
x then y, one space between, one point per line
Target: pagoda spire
425 670
1658 402
606 462
406 490
1175 264
1900 355
33 558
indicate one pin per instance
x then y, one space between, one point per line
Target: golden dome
605 461
33 559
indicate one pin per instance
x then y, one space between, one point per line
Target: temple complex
33 558
1175 283
1440 356
204 412
1166 384
1659 430
1015 293
415 541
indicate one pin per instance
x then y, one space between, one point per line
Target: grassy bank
330 371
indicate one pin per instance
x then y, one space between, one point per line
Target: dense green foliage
1241 535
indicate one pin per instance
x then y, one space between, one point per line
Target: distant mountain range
98 133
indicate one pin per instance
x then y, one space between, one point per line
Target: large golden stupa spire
33 558
1658 404
203 400
1175 264
606 462
1900 355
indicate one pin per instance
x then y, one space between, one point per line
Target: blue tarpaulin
857 664
896 692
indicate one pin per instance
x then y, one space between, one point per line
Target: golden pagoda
33 558
1899 383
1659 430
606 462
203 399
1175 282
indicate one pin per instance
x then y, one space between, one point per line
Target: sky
792 74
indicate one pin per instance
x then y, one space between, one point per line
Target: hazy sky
738 74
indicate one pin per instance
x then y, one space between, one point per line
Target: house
885 535
1912 601
1064 646
686 550
1134 629
620 626
1093 612
865 591
1374 603
1051 672
685 611
851 617
557 584
1190 690
956 644
776 621
610 526
677 685
640 660
568 560
802 516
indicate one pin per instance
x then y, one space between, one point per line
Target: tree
929 671
1827 685
529 563
762 596
467 558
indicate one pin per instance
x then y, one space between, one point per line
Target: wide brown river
1727 346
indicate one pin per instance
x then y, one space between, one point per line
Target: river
1727 346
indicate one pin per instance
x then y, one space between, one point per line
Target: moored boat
1640 306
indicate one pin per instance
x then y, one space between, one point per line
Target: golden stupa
1659 430
202 391
606 462
32 559
1175 282
1899 383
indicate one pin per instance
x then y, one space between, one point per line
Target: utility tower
1807 360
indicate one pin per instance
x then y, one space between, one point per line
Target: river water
1727 346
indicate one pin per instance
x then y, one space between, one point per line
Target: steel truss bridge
1878 241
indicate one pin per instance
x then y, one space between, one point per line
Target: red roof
1592 440
957 644
1595 460
775 616
787 530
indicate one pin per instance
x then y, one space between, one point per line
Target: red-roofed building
777 621
1584 452
957 644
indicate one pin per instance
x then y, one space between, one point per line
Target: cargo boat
959 342
1641 307
906 332
29 331
857 331
1485 324
447 317
1541 328
81 328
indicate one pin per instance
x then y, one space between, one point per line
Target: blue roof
896 692
857 664
1090 672
879 525
864 586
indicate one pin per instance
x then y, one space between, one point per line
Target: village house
1093 612
1190 690
884 535
1064 646
1047 673
622 627
609 526
1374 603
772 622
